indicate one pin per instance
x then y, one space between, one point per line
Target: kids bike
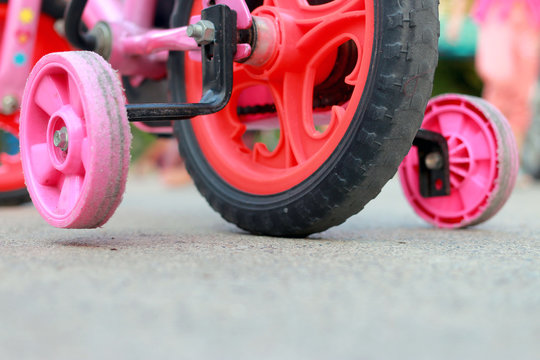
291 115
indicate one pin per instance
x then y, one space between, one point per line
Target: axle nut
60 139
434 161
203 32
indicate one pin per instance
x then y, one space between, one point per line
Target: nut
203 32
434 161
60 139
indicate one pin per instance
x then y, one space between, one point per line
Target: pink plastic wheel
75 139
483 162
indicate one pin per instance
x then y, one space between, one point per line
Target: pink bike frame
131 22
16 51
132 34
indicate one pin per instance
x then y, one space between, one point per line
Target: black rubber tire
390 113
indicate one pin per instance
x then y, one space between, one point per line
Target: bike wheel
75 139
483 162
12 186
343 96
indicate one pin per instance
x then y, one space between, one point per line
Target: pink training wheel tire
75 139
483 162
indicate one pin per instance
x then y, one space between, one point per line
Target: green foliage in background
141 141
456 76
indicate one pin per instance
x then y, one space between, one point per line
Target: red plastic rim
473 147
309 38
11 175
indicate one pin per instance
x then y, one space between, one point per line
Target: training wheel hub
64 138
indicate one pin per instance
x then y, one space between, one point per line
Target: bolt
203 32
434 161
9 104
61 139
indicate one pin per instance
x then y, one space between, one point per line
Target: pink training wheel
483 162
75 139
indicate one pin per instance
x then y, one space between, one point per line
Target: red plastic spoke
344 25
297 5
299 137
303 10
320 39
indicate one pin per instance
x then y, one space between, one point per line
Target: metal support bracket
217 64
434 163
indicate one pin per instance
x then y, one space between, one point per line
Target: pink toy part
102 10
17 46
75 139
483 162
159 40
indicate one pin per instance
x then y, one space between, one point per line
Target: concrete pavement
168 279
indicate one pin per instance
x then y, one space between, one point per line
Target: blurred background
457 46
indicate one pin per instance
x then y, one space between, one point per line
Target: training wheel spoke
48 94
69 193
44 172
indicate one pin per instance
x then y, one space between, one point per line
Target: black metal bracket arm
434 163
74 27
217 66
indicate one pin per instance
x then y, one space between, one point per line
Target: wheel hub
64 137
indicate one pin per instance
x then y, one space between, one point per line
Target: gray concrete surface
168 279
